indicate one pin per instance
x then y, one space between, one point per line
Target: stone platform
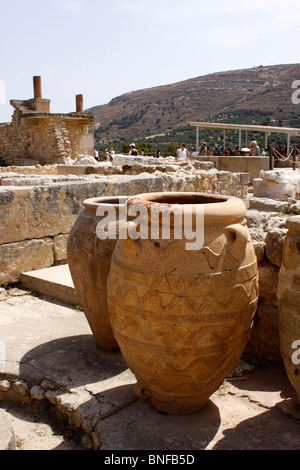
52 359
55 282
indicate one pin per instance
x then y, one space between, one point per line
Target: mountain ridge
259 93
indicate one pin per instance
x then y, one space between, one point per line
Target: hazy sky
104 48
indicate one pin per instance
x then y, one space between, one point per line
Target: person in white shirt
254 149
183 153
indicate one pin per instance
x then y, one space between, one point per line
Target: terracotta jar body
89 260
182 318
289 303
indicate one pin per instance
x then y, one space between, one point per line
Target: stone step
55 282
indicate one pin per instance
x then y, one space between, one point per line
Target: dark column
37 87
79 103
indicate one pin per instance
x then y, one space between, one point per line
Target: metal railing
292 157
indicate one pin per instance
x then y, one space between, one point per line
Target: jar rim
92 204
218 209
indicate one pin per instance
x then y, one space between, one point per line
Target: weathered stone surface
255 218
278 222
266 204
5 385
28 181
24 256
263 344
28 213
289 301
43 211
60 247
7 436
37 392
274 245
257 234
45 138
260 249
268 281
277 184
21 388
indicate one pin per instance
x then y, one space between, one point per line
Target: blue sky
103 49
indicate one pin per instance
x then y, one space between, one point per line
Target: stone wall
268 230
251 165
28 170
45 138
35 220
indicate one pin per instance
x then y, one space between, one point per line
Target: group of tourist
183 153
253 151
282 150
109 155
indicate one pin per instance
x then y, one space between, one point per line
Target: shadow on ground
270 430
141 426
70 362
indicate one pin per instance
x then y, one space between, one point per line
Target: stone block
29 212
260 249
244 178
274 245
255 218
268 282
266 204
42 211
263 344
27 255
60 247
71 169
277 184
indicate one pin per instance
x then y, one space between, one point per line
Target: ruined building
35 136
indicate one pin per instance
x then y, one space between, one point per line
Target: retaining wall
251 165
35 220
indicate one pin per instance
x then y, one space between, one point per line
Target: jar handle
237 237
141 391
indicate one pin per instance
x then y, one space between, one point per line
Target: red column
79 103
37 87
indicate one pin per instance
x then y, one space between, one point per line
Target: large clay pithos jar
289 303
182 317
89 260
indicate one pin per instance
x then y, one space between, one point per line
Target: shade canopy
289 131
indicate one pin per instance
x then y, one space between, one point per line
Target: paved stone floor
49 362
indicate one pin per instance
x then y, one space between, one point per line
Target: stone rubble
281 184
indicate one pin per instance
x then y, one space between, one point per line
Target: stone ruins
35 136
48 170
